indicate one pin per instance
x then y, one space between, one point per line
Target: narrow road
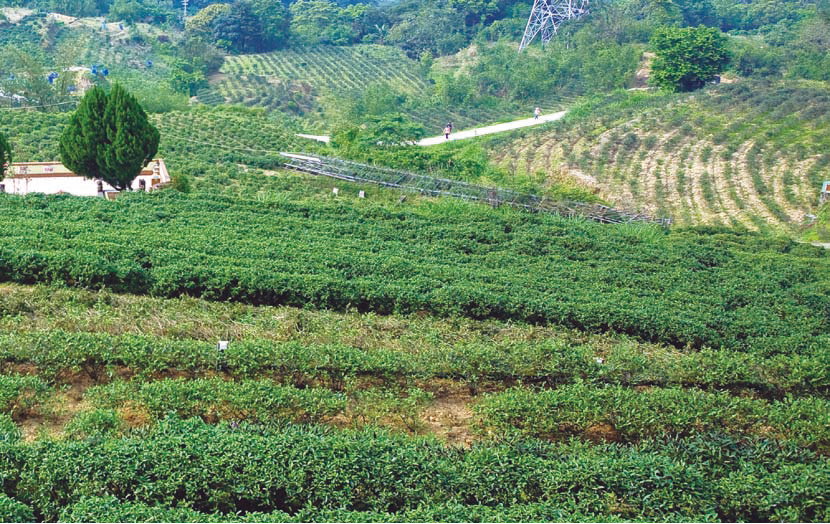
470 133
489 130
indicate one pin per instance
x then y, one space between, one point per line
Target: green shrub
14 511
98 422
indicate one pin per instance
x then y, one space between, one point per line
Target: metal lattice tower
548 15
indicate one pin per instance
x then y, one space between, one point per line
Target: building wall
53 177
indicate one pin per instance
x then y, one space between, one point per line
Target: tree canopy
109 138
687 57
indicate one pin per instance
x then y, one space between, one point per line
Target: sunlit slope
737 155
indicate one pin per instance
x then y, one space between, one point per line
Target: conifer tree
5 155
109 138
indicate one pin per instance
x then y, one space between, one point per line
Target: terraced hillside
307 81
746 154
219 135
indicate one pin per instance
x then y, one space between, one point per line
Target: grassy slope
745 155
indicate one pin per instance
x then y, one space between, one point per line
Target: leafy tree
140 10
320 22
239 29
31 79
186 79
109 138
475 11
384 131
274 17
432 29
687 58
5 155
201 23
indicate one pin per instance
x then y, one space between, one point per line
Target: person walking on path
447 131
537 113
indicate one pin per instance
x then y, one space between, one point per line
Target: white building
53 177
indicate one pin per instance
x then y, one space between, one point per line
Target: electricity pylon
548 15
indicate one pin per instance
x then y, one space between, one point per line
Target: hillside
246 342
317 82
745 155
414 342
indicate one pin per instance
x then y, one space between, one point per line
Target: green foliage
182 183
14 511
684 288
217 399
239 29
687 58
221 469
316 22
184 79
820 230
387 131
94 423
20 393
109 138
630 416
140 11
5 155
9 431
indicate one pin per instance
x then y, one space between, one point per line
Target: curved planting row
623 414
739 155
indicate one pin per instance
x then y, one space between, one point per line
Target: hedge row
56 352
628 415
110 509
685 289
216 399
245 469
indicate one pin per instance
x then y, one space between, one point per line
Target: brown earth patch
600 433
449 419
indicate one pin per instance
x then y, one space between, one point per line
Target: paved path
319 138
470 133
489 130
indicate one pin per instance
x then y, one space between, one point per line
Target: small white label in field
362 194
335 191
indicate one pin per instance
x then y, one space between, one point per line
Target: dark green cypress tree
109 138
5 155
